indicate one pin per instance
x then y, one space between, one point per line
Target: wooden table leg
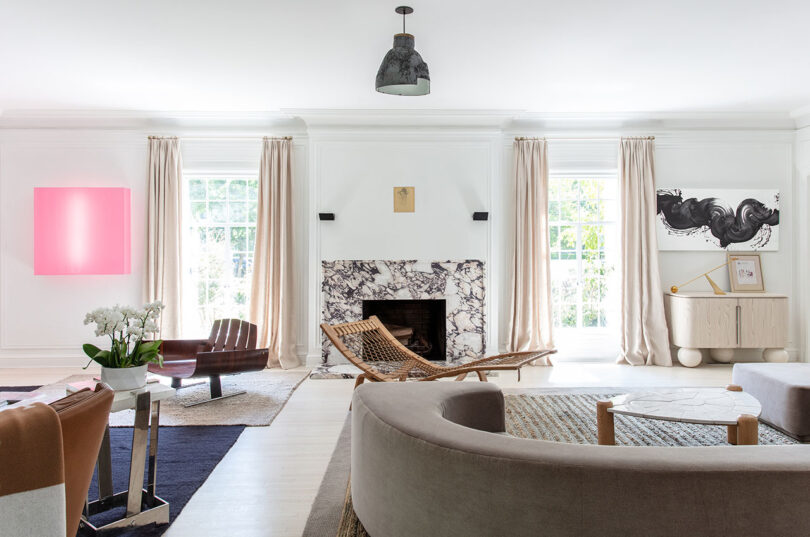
604 422
747 430
732 435
733 430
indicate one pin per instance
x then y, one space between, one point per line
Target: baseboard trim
23 361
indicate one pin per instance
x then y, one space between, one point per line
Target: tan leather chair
32 472
84 416
47 457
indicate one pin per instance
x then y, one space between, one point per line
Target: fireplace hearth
420 325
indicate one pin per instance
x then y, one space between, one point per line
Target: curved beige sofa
426 461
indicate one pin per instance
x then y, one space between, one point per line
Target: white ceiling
541 56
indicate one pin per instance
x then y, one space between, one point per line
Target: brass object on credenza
715 287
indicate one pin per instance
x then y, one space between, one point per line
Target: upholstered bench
784 392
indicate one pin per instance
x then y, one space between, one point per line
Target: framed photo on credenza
745 273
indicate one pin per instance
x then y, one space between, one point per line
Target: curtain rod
602 138
257 137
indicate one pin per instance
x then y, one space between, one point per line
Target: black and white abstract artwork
717 219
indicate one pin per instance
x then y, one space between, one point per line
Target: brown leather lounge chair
47 457
230 349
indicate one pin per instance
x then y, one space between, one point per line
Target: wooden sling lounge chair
382 358
230 349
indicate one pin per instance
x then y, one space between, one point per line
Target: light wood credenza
721 323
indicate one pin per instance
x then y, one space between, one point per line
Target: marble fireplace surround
346 283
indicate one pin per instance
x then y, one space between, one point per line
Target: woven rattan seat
382 358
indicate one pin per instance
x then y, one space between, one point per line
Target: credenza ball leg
721 355
689 357
775 355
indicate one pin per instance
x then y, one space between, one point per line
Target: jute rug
267 393
560 417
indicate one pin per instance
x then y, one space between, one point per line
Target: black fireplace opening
420 325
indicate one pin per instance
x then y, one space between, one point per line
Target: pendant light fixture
403 72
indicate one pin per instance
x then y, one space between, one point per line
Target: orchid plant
126 327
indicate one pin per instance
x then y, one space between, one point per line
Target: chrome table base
142 505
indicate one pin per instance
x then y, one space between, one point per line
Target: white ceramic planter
126 378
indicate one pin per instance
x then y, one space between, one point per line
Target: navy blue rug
186 457
19 388
16 389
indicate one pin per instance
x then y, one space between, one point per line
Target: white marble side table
728 406
143 506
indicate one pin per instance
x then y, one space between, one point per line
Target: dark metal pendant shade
403 72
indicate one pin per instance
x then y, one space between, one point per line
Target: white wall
734 160
802 202
689 158
354 175
41 316
356 179
352 172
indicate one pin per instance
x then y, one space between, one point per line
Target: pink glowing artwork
81 231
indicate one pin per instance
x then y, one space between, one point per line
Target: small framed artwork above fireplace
404 199
420 325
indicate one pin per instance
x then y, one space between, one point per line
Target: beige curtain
164 232
530 313
645 340
271 299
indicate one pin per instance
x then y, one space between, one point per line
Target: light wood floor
266 484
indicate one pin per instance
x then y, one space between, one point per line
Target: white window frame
598 341
190 290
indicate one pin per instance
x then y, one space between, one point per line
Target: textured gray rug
571 418
559 415
267 393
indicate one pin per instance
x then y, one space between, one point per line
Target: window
220 217
582 221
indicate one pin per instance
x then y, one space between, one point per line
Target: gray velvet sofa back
425 462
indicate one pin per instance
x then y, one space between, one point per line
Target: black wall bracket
480 216
326 216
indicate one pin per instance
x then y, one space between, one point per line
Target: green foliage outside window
582 216
222 227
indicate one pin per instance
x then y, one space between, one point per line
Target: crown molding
340 119
300 121
158 122
653 121
801 116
